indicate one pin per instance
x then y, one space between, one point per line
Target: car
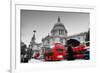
86 54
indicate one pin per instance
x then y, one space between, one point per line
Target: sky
43 22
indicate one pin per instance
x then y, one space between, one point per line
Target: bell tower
32 43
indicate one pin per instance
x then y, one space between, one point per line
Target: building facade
80 37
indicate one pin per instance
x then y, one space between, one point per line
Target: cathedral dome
58 26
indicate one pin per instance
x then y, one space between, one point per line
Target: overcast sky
43 22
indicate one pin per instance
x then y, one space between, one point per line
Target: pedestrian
70 53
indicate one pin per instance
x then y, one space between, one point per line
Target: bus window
59 50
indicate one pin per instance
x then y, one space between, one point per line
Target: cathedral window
48 41
61 40
61 32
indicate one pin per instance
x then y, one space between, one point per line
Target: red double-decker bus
56 53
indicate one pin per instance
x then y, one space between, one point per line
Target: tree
25 53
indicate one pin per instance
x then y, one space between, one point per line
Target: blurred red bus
56 53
